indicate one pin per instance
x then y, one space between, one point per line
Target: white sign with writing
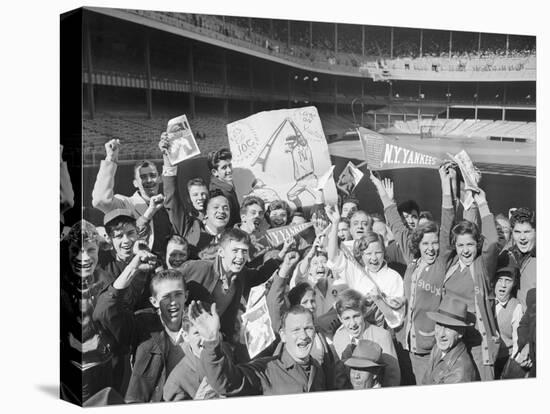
281 154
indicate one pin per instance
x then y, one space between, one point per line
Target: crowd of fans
153 294
466 55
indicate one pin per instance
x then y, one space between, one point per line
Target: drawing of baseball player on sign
302 160
304 171
282 154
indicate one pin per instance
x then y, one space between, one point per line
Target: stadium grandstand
141 68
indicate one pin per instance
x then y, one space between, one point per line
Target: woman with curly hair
470 270
278 214
426 250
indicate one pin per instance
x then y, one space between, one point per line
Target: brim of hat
115 217
446 320
361 363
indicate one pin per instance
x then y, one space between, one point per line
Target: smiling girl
426 250
375 278
470 269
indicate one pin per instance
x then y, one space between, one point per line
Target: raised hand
480 197
207 324
320 222
112 149
144 260
156 202
333 214
382 187
375 180
164 143
388 187
288 243
289 261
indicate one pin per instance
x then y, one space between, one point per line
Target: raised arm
447 175
402 233
299 274
275 299
255 277
113 309
223 376
489 232
103 197
142 223
332 238
172 198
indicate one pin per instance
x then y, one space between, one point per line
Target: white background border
30 136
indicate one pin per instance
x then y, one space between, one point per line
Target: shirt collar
462 265
451 356
175 337
503 304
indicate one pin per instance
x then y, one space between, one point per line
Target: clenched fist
112 148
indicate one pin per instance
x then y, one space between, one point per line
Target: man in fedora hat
449 361
366 365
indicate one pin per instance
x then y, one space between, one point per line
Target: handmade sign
385 153
257 327
282 154
182 141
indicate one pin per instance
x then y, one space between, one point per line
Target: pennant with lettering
387 153
278 235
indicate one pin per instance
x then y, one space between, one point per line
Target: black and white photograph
180 282
261 203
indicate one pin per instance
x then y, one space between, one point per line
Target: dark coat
484 267
417 335
455 367
143 336
527 329
335 371
206 273
184 222
275 375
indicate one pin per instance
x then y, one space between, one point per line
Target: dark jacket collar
221 184
159 345
453 355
